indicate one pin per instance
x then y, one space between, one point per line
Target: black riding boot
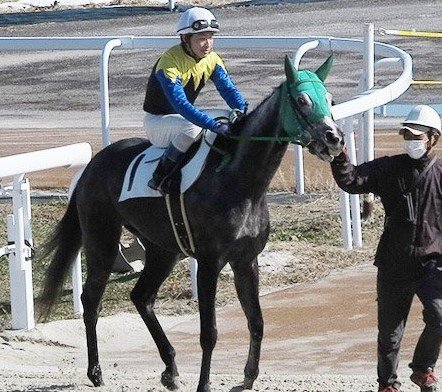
167 165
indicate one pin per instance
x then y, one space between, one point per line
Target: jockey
178 76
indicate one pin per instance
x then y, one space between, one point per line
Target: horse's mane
241 125
250 124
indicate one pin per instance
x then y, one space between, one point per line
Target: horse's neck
256 162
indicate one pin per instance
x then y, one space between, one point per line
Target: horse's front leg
207 282
247 287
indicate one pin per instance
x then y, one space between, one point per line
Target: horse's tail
64 245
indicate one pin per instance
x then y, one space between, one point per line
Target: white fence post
346 220
298 152
368 115
104 89
77 285
193 277
355 208
299 169
20 241
20 267
77 279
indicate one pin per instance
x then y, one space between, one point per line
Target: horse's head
305 111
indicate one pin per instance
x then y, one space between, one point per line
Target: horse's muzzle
329 141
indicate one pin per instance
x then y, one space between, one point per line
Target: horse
233 200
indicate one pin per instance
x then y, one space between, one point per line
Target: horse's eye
302 101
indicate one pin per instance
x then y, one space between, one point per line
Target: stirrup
168 164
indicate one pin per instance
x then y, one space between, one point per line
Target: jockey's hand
222 128
235 115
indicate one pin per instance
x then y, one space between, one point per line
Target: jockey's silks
176 80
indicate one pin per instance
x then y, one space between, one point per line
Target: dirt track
318 337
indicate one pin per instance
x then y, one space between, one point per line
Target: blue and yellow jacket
176 80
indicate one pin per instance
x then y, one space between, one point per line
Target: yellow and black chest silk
174 68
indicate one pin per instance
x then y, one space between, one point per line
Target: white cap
420 118
197 20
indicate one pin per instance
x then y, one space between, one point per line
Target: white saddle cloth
143 165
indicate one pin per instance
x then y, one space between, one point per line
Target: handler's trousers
394 302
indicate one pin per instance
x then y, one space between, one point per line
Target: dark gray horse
227 211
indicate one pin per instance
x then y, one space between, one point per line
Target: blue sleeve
227 89
176 96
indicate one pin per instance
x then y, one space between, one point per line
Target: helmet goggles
202 24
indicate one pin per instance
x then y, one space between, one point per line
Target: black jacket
413 214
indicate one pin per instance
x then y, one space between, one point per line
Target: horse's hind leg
101 249
208 272
159 264
246 283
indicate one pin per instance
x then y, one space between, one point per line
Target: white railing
19 248
354 105
363 104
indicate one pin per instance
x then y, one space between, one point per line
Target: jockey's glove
222 128
235 115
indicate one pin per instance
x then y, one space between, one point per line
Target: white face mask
415 148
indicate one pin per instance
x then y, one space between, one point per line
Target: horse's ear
324 69
291 72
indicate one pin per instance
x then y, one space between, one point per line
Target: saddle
140 170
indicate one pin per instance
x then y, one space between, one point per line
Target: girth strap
180 224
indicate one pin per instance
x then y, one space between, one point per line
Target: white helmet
423 115
197 20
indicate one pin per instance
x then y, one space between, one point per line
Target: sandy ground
318 337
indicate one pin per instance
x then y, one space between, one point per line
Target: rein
294 125
277 138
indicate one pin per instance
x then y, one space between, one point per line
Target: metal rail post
20 241
20 266
193 277
353 199
104 89
298 153
368 115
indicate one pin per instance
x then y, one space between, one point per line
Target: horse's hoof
248 383
203 388
94 374
172 383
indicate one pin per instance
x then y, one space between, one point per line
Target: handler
172 120
409 253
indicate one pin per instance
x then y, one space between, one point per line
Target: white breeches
163 129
